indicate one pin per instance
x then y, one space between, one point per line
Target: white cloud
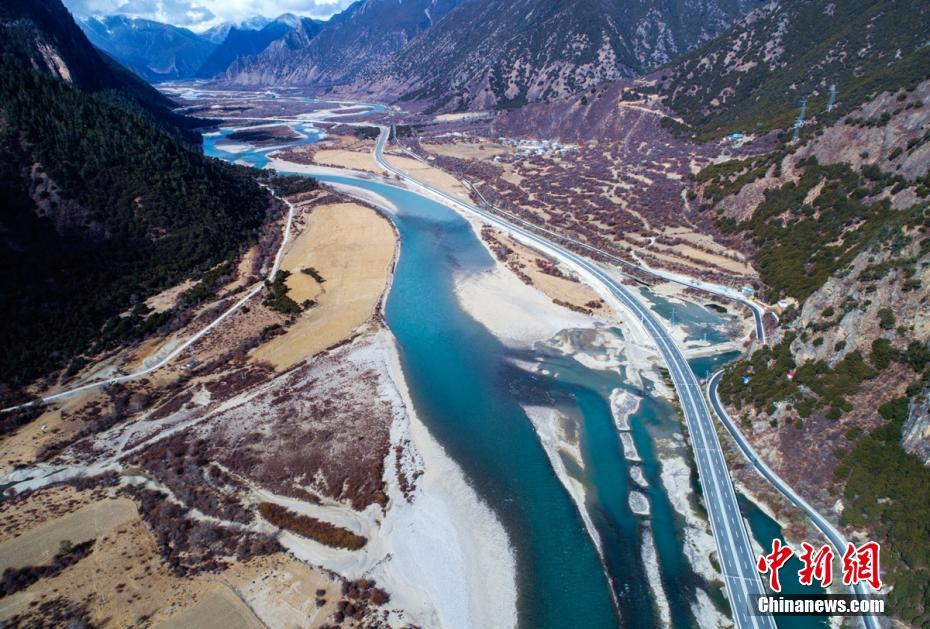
201 14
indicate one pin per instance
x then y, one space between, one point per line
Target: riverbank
439 550
508 323
443 552
699 546
560 439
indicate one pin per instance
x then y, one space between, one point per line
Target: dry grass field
352 248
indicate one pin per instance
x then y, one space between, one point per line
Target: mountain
838 226
218 33
101 206
42 34
753 77
504 53
153 50
242 42
361 37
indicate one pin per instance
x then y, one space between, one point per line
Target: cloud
200 14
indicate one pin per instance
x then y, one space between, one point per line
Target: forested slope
752 77
838 225
101 208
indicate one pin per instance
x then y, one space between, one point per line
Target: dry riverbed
151 512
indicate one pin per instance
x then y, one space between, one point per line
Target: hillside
42 34
839 229
753 77
352 42
244 42
154 51
103 204
101 210
504 53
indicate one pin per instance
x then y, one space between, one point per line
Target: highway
830 532
757 309
734 551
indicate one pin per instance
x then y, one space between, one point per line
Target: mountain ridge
364 34
103 201
153 50
43 35
242 42
531 50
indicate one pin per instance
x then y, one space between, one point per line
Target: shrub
894 410
306 526
278 299
882 353
886 319
917 355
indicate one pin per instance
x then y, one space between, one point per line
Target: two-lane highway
830 532
735 553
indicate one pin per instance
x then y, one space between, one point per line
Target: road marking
736 537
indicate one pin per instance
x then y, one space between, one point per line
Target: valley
461 313
178 418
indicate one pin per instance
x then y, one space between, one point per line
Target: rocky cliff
838 225
363 36
505 53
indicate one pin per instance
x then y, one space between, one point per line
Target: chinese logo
859 564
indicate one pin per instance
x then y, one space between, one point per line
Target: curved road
730 535
180 349
737 558
758 311
830 532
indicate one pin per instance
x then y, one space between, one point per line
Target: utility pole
799 120
831 101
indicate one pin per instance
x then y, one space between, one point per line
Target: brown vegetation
181 463
190 546
53 613
310 527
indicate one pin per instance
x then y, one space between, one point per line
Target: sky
199 15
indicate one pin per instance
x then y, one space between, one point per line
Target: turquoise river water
467 389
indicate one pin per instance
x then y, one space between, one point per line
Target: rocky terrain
493 53
752 78
453 55
838 227
361 37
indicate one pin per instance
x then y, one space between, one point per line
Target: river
470 390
